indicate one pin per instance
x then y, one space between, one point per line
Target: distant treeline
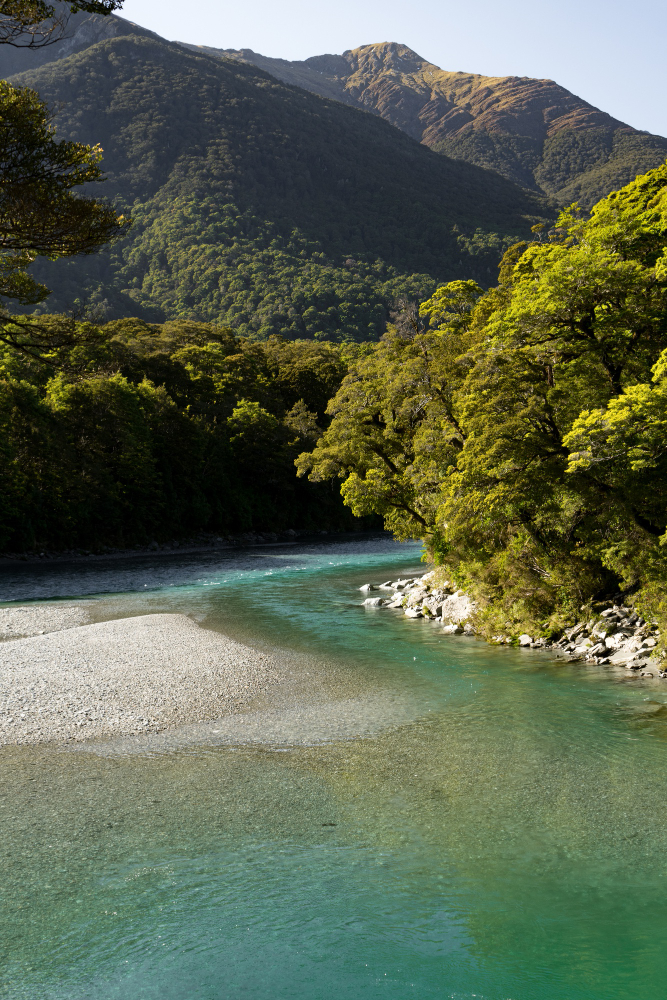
129 433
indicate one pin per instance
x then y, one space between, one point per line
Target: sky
611 54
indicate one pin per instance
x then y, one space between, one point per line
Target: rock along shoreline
616 636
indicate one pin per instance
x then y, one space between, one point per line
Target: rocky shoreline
615 635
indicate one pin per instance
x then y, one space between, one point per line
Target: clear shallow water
505 838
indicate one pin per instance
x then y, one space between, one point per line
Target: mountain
260 205
82 31
533 132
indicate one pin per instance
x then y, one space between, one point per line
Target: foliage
132 432
34 23
263 207
39 212
522 433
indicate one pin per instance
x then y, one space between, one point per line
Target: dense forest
130 433
261 206
521 431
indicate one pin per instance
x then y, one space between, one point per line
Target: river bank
616 635
67 676
203 542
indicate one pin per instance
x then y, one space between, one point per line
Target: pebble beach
63 680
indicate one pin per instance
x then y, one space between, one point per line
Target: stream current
407 815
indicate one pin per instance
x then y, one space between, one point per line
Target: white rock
366 587
416 597
413 613
396 603
374 602
629 656
453 629
525 639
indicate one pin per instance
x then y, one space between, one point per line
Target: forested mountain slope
260 205
531 131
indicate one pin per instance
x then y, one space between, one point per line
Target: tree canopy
40 213
521 431
137 432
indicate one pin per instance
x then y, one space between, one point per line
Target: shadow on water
502 838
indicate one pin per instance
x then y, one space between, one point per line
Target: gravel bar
123 677
36 619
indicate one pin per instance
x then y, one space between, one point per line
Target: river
414 815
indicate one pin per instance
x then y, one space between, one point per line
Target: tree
522 435
34 23
394 431
40 214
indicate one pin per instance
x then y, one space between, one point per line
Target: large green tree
521 433
40 213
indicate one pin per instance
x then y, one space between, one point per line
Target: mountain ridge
262 206
532 131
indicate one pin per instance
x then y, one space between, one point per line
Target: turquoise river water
412 815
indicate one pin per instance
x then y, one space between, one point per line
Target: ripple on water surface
504 838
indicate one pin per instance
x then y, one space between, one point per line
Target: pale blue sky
610 53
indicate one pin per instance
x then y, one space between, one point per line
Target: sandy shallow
121 677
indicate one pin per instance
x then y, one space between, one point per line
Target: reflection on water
502 839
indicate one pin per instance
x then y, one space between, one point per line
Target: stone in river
366 587
525 639
396 603
374 602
